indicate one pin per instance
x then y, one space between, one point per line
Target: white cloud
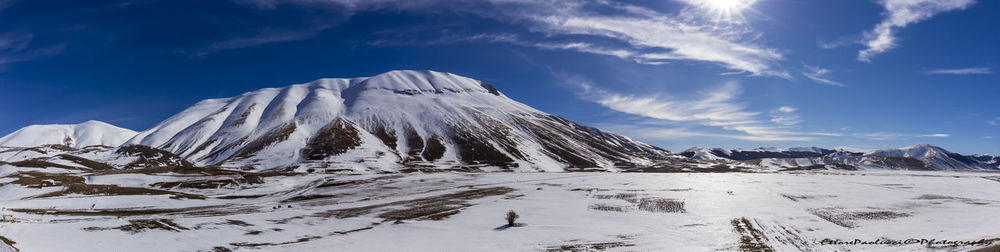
638 34
987 137
935 135
716 108
899 14
785 115
962 71
820 75
994 122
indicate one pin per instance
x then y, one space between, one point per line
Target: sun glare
725 4
725 11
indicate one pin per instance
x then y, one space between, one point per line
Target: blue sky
674 73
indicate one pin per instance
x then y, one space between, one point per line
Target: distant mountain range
917 157
410 120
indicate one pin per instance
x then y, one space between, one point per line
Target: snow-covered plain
287 211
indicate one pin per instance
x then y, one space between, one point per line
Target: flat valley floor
186 210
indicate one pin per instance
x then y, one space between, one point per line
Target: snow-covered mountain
917 157
758 153
73 135
419 119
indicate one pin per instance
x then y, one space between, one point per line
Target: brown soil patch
429 208
589 246
660 205
86 162
751 238
607 208
139 226
847 219
9 242
255 245
34 179
114 190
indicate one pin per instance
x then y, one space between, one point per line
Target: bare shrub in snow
511 218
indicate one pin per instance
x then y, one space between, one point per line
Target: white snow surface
74 135
321 212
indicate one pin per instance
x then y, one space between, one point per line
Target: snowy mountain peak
74 135
414 118
424 81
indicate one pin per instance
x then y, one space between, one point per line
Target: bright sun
725 11
725 4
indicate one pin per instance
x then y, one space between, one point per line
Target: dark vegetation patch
143 225
309 197
433 149
805 197
221 249
388 136
118 212
37 163
751 238
243 179
942 197
473 149
336 138
607 208
415 144
836 166
253 196
34 179
114 190
498 132
660 205
187 170
150 157
256 245
429 208
86 162
847 218
238 223
600 246
9 243
277 135
630 197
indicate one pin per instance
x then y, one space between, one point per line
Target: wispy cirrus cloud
17 47
938 135
266 36
821 75
785 115
962 71
899 14
640 34
703 114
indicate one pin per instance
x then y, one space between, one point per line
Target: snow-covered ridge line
74 135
